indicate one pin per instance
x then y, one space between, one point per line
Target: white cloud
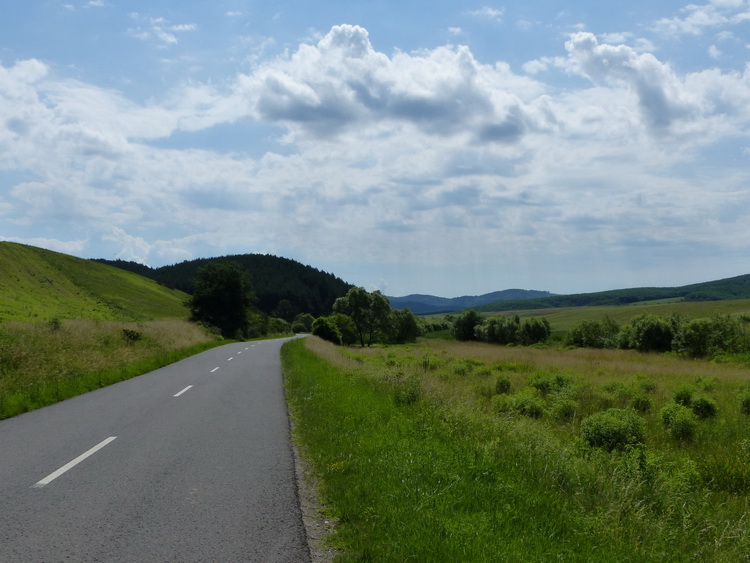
184 27
343 82
714 52
384 151
697 18
158 29
489 13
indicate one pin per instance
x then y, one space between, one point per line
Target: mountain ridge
423 304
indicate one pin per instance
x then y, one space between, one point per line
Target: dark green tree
325 328
223 297
404 327
651 333
463 326
303 322
368 311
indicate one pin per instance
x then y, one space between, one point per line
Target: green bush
704 407
463 327
613 429
564 409
594 334
326 328
550 383
502 385
527 404
745 402
680 421
530 405
683 395
641 403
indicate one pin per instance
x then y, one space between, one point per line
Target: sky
446 148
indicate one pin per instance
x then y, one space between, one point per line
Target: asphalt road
192 462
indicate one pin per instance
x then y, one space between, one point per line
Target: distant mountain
38 284
275 279
720 290
422 304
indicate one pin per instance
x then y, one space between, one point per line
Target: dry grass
31 353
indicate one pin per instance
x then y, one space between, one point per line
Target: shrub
503 404
131 336
564 409
745 402
704 407
651 333
641 403
326 329
530 405
548 383
527 404
278 326
502 385
595 334
613 429
683 396
680 421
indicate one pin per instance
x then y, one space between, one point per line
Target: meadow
45 362
450 451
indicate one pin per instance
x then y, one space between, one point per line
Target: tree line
693 338
224 298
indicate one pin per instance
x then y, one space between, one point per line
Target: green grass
38 284
43 363
417 462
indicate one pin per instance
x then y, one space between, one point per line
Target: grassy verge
43 363
418 459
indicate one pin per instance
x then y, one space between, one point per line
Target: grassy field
42 363
448 451
562 320
38 284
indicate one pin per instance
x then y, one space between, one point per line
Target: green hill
38 284
726 289
275 279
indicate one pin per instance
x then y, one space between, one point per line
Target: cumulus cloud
694 102
342 82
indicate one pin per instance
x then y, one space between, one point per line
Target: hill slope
38 284
307 289
729 288
421 304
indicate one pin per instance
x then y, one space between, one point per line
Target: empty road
192 462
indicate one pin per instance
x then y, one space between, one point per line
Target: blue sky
413 147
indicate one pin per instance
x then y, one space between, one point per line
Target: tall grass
42 363
416 460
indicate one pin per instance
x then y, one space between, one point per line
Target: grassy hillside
38 284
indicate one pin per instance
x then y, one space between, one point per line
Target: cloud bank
402 159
